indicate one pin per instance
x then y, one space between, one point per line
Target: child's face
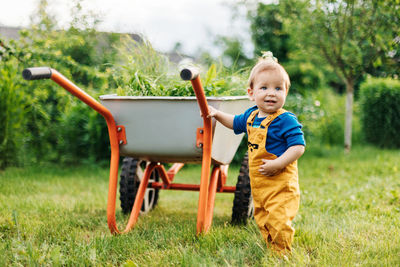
269 91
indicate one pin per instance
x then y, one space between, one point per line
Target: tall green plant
81 54
145 72
12 114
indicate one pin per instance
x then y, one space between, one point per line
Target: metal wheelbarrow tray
164 130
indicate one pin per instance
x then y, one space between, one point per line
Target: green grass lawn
349 216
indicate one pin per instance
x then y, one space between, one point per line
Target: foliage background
41 122
53 214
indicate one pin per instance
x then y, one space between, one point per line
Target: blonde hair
268 62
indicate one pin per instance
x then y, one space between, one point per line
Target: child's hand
212 112
270 167
224 118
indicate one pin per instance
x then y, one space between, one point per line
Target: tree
267 31
350 35
233 53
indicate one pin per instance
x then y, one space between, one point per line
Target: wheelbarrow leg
204 180
217 180
212 190
140 196
112 191
203 197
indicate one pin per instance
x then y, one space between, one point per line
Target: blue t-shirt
283 132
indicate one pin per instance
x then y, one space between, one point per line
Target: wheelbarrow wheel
131 174
243 207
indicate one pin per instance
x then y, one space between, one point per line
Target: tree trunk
349 115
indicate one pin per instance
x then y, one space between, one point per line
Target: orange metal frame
208 187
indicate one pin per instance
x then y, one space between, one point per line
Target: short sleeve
291 130
240 121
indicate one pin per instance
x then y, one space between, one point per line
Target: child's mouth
270 101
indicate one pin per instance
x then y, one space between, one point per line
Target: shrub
44 131
304 76
322 114
82 135
329 128
12 114
380 109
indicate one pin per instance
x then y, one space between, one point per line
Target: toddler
275 142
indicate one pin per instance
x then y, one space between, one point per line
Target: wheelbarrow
151 131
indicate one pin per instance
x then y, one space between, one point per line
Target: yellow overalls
276 198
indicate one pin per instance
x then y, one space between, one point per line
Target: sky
193 23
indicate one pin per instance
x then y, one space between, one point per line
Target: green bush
12 114
82 135
380 109
329 129
40 121
322 114
304 76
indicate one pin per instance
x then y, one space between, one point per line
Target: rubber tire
243 207
129 185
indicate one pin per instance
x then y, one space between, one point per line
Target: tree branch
331 60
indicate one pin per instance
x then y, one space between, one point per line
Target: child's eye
263 88
278 88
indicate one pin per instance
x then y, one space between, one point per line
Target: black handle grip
189 73
37 73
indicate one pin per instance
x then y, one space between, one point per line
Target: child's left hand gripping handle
37 73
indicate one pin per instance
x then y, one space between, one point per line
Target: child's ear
250 93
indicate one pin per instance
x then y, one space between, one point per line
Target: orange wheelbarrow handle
203 216
113 130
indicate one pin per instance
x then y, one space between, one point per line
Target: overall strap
271 117
251 118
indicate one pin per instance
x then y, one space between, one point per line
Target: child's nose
271 92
